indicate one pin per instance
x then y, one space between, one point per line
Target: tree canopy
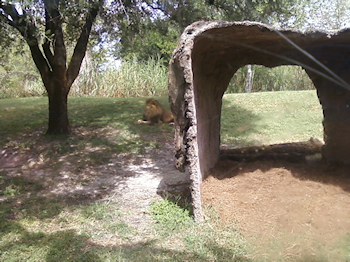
151 28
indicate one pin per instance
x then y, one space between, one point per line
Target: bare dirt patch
286 209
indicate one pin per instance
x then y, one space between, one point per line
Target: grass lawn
39 226
267 118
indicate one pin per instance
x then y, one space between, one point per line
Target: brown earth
286 209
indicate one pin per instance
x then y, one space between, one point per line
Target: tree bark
249 79
58 108
58 112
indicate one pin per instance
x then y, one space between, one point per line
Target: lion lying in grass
155 113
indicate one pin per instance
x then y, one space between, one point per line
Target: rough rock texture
207 56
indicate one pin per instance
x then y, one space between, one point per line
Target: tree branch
11 17
27 29
54 28
81 46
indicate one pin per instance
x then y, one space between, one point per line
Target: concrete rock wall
206 58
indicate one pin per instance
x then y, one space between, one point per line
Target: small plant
12 190
11 187
170 216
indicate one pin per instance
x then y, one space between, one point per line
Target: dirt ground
296 209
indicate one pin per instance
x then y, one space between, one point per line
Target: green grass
69 234
65 235
170 217
23 121
21 116
37 228
271 117
206 241
247 119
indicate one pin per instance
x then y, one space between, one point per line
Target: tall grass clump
19 77
280 78
131 79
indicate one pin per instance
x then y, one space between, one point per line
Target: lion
155 113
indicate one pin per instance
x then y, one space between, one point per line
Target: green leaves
154 30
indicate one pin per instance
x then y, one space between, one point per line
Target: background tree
326 14
42 25
152 28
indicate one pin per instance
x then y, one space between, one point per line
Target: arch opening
275 113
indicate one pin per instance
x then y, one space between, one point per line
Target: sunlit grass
271 117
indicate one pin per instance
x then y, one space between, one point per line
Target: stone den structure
208 55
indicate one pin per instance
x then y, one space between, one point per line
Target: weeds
170 217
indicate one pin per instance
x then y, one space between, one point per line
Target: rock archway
207 56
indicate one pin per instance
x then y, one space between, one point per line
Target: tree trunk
58 112
249 79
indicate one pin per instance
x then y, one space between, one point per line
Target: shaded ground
131 180
288 210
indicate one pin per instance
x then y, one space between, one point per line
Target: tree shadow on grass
22 120
44 242
209 251
65 245
88 160
105 111
70 245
